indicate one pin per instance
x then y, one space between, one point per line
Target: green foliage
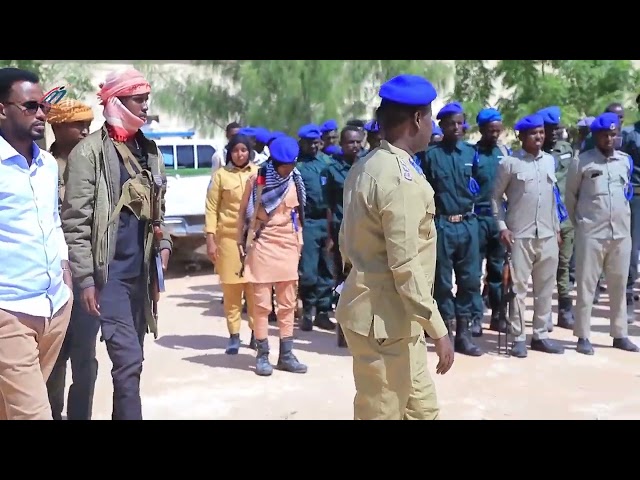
279 94
75 76
578 87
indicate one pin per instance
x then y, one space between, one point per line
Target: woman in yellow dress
221 227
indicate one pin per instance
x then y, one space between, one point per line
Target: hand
165 253
444 350
89 299
212 251
506 238
559 238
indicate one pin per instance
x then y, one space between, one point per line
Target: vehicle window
205 154
185 155
167 155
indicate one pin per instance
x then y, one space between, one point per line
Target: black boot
565 313
234 344
476 327
342 342
584 346
263 367
323 321
287 361
498 322
273 318
625 344
306 323
252 342
547 346
463 343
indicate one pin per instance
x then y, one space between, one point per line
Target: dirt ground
187 375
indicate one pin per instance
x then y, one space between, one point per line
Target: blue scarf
275 190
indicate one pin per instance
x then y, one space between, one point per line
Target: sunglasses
31 107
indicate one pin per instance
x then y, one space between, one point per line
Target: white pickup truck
188 168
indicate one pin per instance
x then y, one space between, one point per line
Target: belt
484 211
458 218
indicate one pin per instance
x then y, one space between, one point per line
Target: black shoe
306 323
234 344
273 318
287 361
263 366
252 342
323 322
463 343
519 349
546 346
476 327
584 346
565 313
625 344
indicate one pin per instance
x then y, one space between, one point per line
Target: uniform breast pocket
525 181
597 182
231 193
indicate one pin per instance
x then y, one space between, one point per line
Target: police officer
389 238
631 146
448 167
316 273
530 228
563 154
598 194
373 135
489 154
350 143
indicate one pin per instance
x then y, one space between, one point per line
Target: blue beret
437 131
605 121
309 132
328 126
262 134
284 150
488 115
408 90
274 135
248 131
529 122
452 108
550 115
372 126
333 150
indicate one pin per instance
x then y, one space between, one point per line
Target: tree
76 77
279 94
578 87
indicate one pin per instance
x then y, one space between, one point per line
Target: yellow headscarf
67 111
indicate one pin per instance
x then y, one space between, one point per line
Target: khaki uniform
532 217
388 236
601 214
221 220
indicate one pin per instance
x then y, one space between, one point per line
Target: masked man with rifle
111 216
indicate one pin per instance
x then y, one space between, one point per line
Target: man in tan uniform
598 194
530 228
70 121
388 237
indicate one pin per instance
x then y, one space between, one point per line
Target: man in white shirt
35 282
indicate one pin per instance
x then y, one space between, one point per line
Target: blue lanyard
415 161
474 187
628 190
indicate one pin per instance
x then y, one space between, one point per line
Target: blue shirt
32 244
